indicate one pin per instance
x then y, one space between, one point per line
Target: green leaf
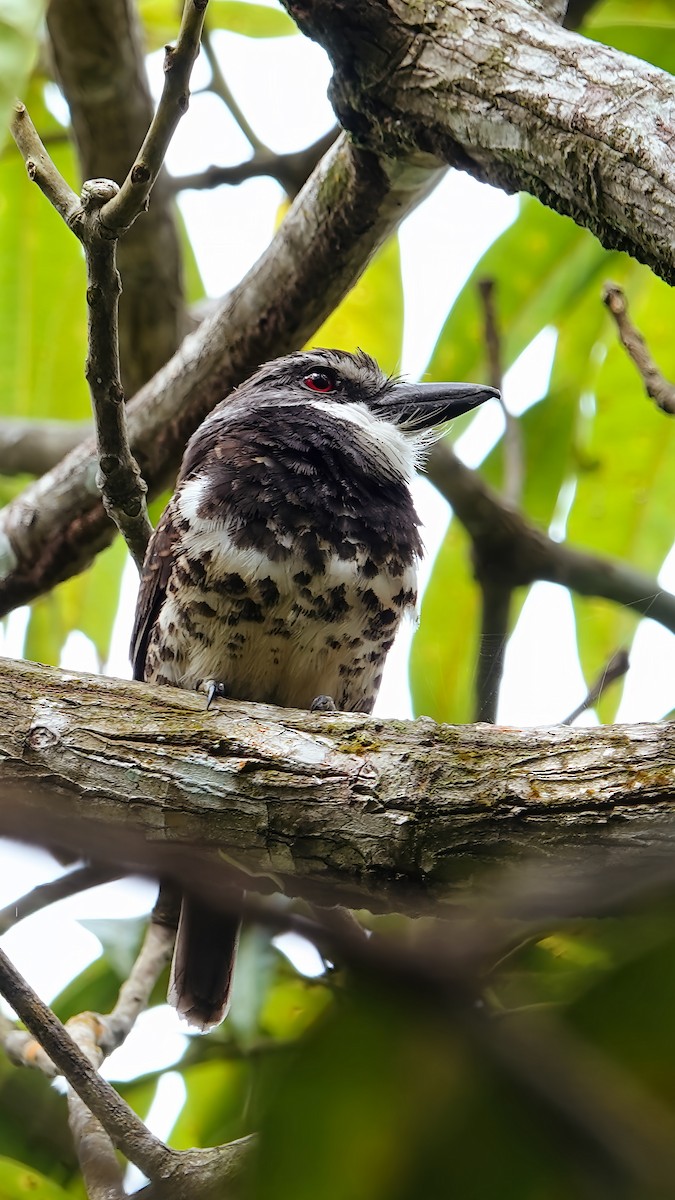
18 1182
257 965
215 1105
628 1011
95 989
19 24
87 602
623 505
445 646
43 343
384 1101
34 1123
541 265
646 30
291 1006
371 315
161 20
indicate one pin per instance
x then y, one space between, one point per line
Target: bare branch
656 386
616 668
513 443
519 553
290 170
220 88
122 487
40 168
101 1172
81 879
495 608
121 211
33 447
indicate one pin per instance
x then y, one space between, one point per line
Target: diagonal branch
122 210
656 386
81 879
128 1131
519 553
503 92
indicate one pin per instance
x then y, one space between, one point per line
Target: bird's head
333 379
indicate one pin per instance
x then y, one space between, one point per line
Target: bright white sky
281 86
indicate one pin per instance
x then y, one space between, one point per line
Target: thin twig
104 212
71 884
615 669
121 210
656 386
513 442
495 589
40 167
219 86
128 1132
290 170
122 486
119 478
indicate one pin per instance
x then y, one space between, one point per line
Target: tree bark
502 92
336 808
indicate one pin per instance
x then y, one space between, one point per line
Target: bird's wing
154 580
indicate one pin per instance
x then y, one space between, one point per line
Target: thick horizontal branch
503 92
333 808
348 207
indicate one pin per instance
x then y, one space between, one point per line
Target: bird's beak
417 406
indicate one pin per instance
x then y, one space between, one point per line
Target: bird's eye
319 381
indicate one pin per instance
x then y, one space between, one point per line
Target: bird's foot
213 690
323 704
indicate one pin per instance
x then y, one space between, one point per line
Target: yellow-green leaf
19 1182
19 24
371 316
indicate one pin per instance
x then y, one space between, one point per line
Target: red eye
319 381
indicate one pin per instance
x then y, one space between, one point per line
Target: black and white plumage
284 564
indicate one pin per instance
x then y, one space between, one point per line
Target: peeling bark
334 808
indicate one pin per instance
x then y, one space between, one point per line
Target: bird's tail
203 963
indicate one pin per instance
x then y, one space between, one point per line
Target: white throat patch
382 440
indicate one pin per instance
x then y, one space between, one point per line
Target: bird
283 566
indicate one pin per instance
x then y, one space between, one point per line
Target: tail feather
203 963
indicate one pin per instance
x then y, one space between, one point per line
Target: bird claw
324 704
212 689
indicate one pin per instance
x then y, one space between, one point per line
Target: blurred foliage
397 1089
236 16
19 23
